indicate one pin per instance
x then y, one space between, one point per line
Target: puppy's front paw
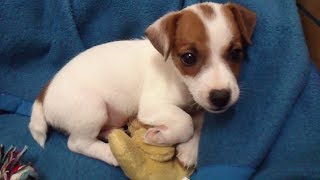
109 157
187 154
112 161
157 136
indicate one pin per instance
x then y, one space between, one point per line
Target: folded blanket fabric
272 133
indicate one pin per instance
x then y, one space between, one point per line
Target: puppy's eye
188 59
235 54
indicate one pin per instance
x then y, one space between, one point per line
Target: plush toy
140 161
11 167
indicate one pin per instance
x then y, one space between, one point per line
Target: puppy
190 58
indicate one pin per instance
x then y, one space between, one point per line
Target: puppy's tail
38 126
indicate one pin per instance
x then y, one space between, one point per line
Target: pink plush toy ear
161 33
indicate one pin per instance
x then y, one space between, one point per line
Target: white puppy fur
102 87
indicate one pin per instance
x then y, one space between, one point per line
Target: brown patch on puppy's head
191 37
207 10
161 33
234 55
236 46
241 22
245 19
180 33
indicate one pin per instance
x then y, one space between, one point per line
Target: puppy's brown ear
161 33
246 20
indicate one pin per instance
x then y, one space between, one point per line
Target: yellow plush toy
140 161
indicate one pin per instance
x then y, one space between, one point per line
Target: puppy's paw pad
155 136
152 133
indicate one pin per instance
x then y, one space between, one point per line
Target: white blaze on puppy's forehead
219 34
216 24
218 30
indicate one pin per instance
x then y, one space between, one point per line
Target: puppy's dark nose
219 98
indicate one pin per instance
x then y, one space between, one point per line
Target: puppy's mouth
218 110
215 110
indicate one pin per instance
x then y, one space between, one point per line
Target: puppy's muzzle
219 98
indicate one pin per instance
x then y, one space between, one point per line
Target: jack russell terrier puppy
190 59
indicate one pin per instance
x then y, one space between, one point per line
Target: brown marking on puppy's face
233 52
233 56
207 10
162 32
191 39
182 33
241 23
244 19
205 42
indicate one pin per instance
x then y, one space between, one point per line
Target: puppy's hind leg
84 137
93 148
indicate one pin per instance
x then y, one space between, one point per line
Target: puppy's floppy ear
246 20
161 33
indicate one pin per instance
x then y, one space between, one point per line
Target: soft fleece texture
272 133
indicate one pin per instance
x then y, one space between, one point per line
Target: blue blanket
272 133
